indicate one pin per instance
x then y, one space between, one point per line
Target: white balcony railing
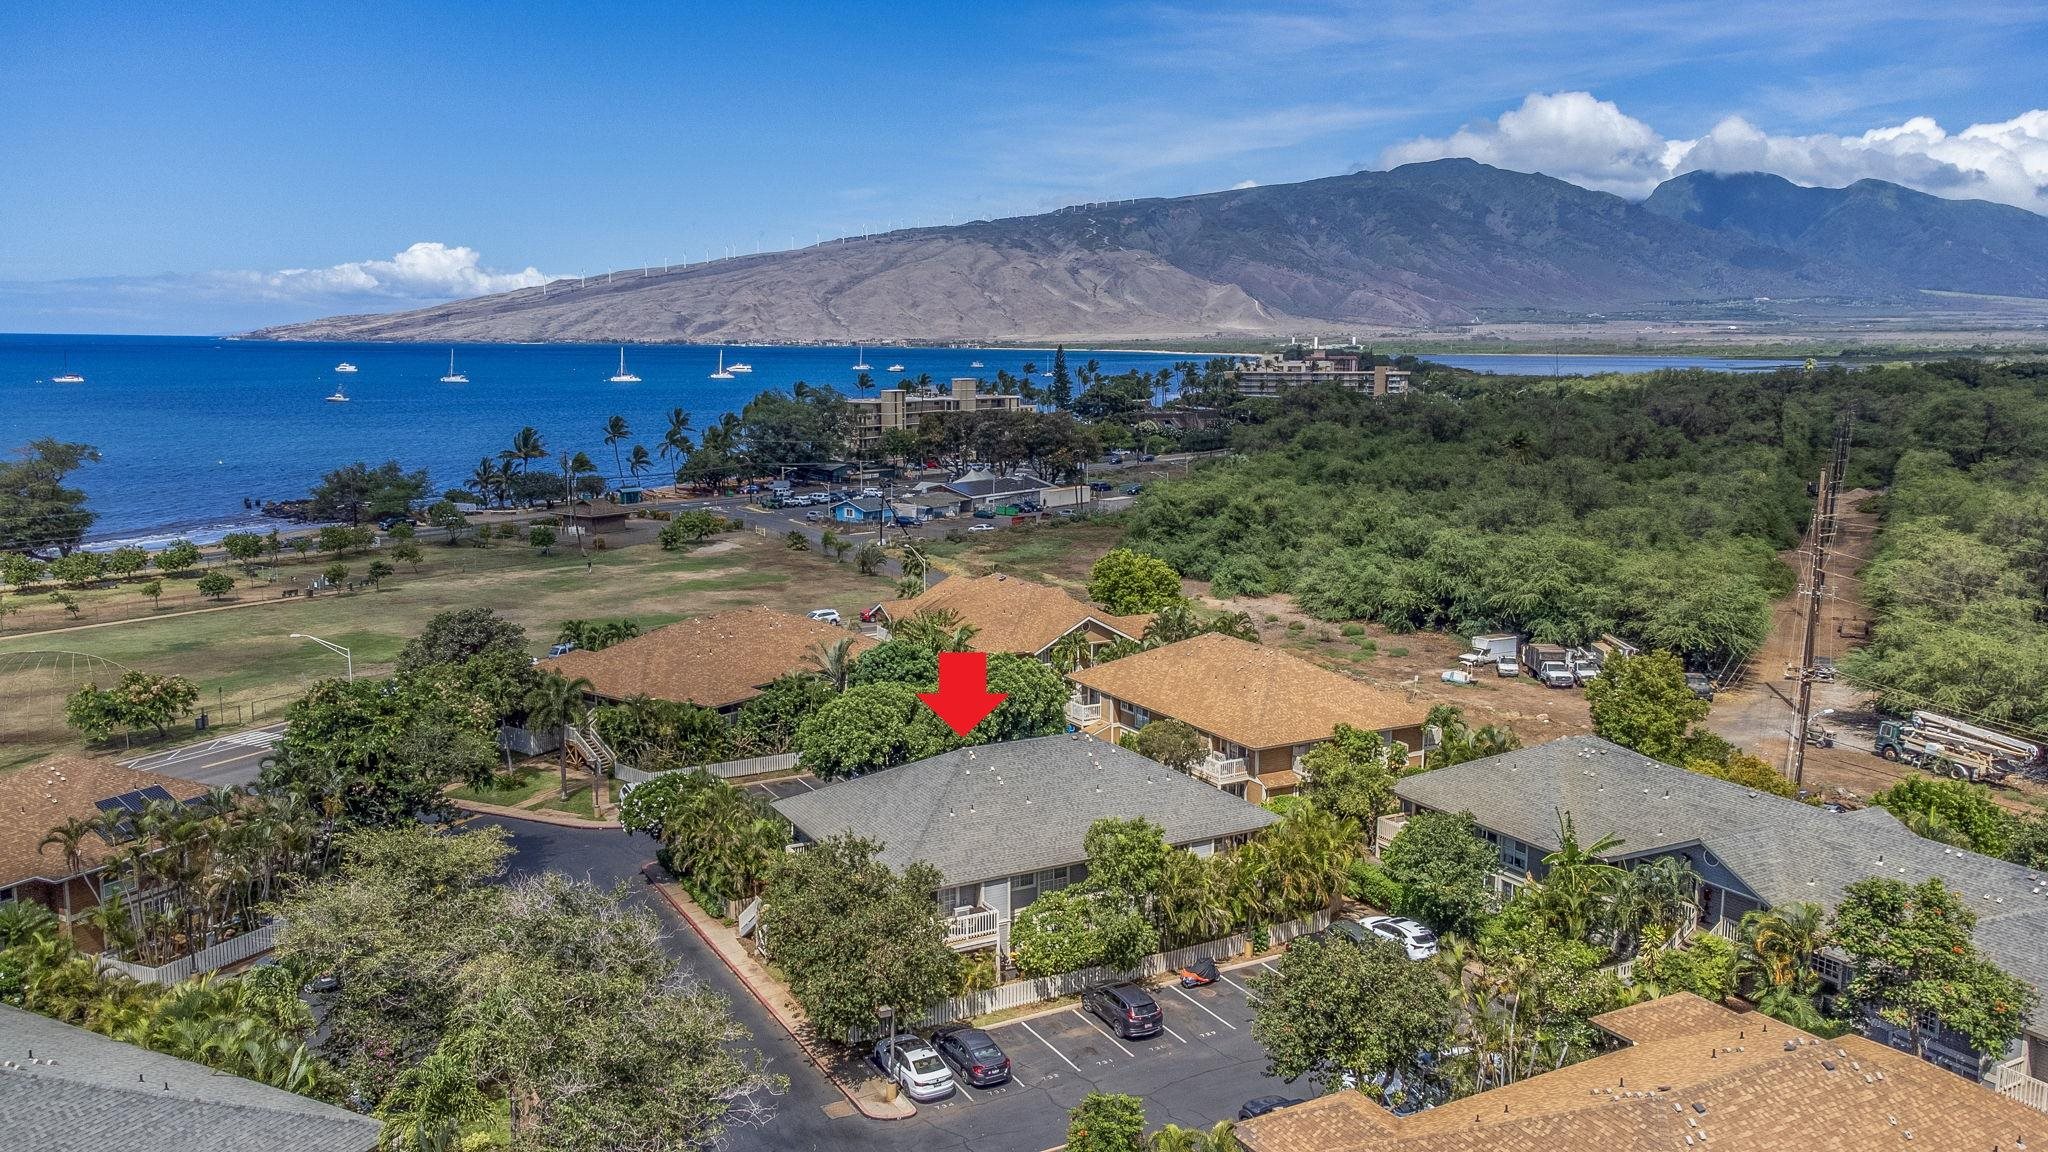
1081 715
970 929
1221 770
2010 1080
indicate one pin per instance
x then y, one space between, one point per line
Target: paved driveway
1195 1073
230 761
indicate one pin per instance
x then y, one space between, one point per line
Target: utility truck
1946 746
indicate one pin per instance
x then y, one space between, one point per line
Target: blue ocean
189 428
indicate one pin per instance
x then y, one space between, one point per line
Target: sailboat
67 376
860 360
721 374
624 377
454 377
340 395
344 366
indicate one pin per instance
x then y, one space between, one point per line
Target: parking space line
1206 1008
808 786
1248 993
1105 1034
1042 1040
960 1086
1172 1033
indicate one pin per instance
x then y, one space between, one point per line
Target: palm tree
1187 906
1778 945
1221 1137
834 661
526 446
1578 884
639 461
939 629
1069 652
615 433
863 384
487 479
677 438
69 838
557 702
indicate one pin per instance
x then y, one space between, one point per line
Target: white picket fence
728 770
1019 993
221 955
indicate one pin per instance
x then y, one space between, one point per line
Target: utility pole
1820 536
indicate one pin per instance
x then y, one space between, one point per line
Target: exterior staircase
595 753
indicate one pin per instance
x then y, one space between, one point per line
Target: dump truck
1946 746
1550 663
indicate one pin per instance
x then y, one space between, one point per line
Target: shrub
1353 630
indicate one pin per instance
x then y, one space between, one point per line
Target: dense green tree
1705 968
1106 1122
1351 775
1459 742
1174 743
1127 582
1742 768
802 426
1642 702
1331 1009
216 585
767 724
79 569
129 559
542 537
39 516
176 557
689 527
723 842
358 492
854 937
354 750
459 635
871 726
1443 869
1125 855
140 700
1076 928
244 548
1952 811
1912 960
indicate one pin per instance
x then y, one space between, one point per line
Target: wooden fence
221 955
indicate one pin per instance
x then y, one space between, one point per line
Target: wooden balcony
1220 770
1082 715
2010 1080
974 928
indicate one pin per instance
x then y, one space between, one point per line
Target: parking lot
1199 1069
782 789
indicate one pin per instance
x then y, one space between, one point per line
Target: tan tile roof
1012 614
1725 1080
1247 693
716 660
38 797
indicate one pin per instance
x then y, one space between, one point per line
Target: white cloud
1593 143
425 271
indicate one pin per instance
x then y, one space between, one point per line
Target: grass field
1051 552
248 667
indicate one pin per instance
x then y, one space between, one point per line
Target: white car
827 615
981 528
874 492
1415 940
911 1063
1507 667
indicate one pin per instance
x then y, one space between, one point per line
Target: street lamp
332 647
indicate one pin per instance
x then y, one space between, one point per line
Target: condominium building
902 408
1273 375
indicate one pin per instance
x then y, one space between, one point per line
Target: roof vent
1828 1064
1700 1106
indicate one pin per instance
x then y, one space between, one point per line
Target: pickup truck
1556 674
1506 666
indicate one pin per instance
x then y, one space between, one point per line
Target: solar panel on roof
110 804
156 792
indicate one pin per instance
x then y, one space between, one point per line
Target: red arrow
963 699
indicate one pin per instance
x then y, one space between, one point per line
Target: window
1514 855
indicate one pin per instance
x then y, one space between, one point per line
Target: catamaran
860 360
344 366
67 376
454 377
721 374
624 377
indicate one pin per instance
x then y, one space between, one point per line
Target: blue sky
141 149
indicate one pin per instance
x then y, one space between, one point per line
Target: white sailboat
624 377
344 366
860 360
721 374
67 376
453 377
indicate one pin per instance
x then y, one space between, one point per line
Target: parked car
827 615
1417 941
984 514
1507 667
1260 1105
1133 489
974 1054
1128 1009
1342 929
1475 659
1101 486
562 649
872 491
1113 458
871 615
1700 685
981 527
1147 458
814 515
387 523
911 1063
325 982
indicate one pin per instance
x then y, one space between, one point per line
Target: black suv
1128 1009
974 1054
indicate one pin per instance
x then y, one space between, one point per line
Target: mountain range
1422 245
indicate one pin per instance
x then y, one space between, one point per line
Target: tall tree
39 516
1332 1011
1642 702
557 703
1443 869
617 432
1914 961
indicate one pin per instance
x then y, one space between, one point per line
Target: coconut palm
617 432
1069 652
939 629
1187 906
69 839
557 702
863 384
1778 946
834 661
487 480
677 439
638 460
1578 884
527 446
1174 1138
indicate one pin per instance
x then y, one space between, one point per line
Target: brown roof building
1693 1076
43 796
1020 616
717 661
1260 709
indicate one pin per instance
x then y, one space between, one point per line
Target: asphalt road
230 761
1197 1072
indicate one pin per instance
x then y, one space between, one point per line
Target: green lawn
244 658
1052 552
508 790
579 803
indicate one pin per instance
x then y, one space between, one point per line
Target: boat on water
722 373
623 377
860 360
742 367
344 366
977 364
893 368
340 396
67 376
454 377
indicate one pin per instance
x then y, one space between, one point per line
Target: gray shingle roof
1784 850
996 809
81 1092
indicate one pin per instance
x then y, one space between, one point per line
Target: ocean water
189 428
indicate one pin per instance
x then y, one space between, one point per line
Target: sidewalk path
773 997
538 816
